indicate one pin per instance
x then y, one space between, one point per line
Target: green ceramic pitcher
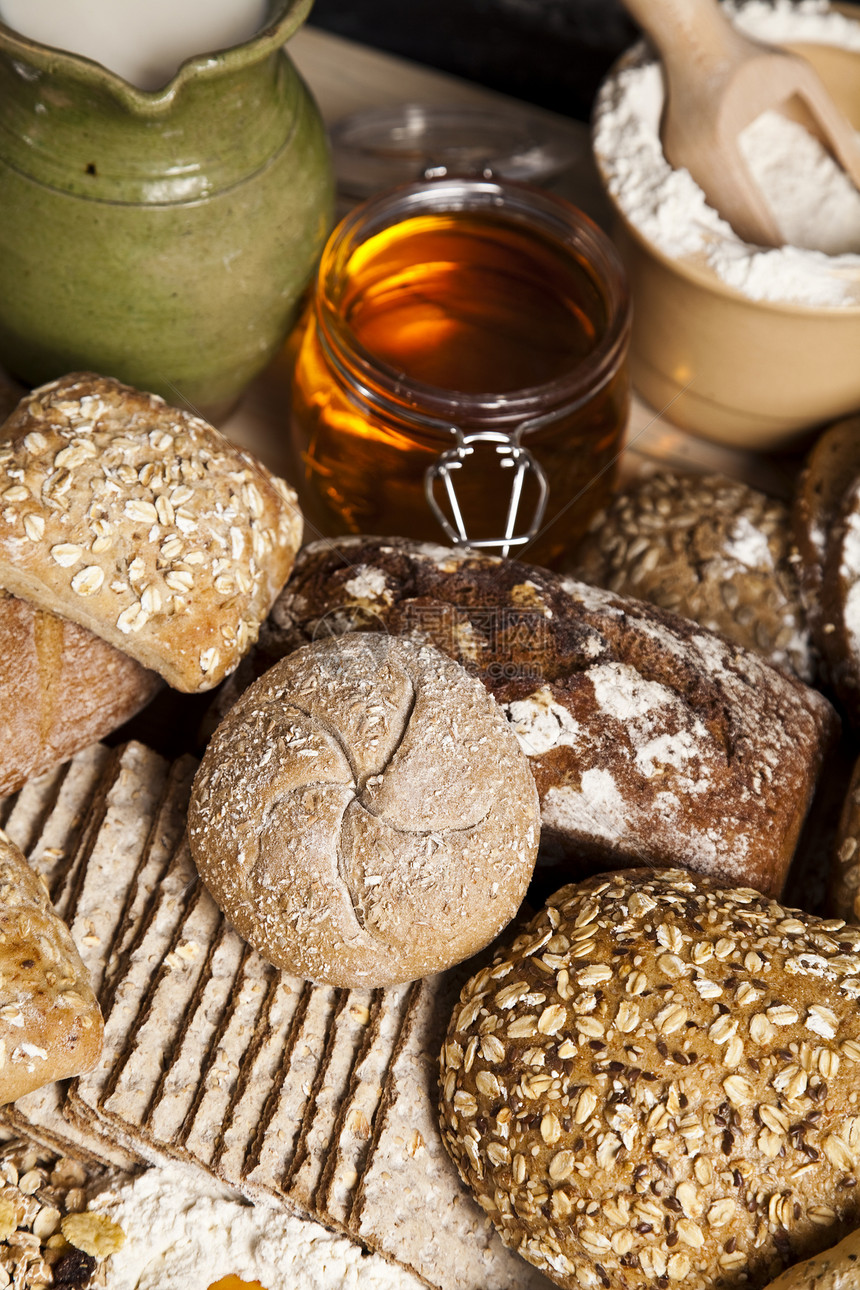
160 237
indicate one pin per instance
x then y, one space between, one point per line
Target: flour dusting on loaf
364 815
651 739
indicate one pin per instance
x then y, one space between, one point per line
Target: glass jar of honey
461 375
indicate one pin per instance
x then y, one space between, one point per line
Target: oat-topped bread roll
652 740
710 548
61 688
658 1083
50 1024
364 815
142 524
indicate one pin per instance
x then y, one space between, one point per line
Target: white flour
185 1231
816 205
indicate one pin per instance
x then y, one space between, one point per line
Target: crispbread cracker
272 1153
219 1086
346 1036
130 990
410 1205
354 1124
261 1062
110 799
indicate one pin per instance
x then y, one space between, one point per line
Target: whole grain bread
658 1082
651 739
143 524
834 1269
712 549
364 815
50 1023
61 689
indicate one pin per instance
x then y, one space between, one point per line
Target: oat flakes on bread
61 689
143 524
652 740
364 815
50 1023
658 1083
712 549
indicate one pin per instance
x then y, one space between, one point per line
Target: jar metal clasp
509 455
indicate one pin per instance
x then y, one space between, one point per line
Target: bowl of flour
742 344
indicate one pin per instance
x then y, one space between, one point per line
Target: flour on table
816 205
184 1231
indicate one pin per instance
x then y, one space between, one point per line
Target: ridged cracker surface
658 1083
651 739
143 524
364 815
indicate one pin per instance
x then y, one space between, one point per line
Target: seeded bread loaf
142 524
50 1024
830 469
363 815
652 740
61 688
834 1269
712 549
658 1083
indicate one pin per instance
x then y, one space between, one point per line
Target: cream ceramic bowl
749 373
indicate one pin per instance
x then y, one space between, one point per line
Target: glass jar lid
383 147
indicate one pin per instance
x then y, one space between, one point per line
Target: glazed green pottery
163 237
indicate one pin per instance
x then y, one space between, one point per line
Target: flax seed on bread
143 524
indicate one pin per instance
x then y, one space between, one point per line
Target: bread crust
712 549
364 816
50 1023
143 524
652 740
61 688
658 1081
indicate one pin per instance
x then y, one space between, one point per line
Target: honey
465 345
235 1283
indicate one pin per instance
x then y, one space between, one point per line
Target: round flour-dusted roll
658 1084
364 815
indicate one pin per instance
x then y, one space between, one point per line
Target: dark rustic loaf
657 1084
652 740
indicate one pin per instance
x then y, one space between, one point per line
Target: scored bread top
658 1083
144 524
50 1023
652 740
364 814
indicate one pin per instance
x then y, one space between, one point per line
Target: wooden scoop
718 81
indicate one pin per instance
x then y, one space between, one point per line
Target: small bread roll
143 524
658 1083
364 815
50 1023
